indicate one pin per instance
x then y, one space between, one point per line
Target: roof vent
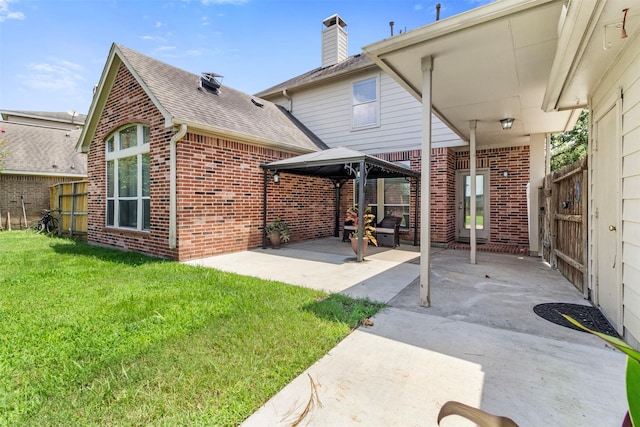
211 81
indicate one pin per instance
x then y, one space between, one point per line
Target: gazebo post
337 185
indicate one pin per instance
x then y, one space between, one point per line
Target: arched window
127 155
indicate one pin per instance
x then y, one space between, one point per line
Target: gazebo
338 165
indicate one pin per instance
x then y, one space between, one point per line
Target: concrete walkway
480 343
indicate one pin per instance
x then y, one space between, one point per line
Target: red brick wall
126 104
443 195
220 202
508 195
220 188
34 189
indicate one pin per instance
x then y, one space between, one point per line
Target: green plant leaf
633 369
616 342
633 390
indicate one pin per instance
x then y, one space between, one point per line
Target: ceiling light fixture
506 123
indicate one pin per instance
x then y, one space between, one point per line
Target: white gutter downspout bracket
173 186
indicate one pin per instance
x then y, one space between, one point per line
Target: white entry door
608 292
464 219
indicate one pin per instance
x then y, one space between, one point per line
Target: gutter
244 137
173 194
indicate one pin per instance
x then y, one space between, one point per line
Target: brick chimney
334 41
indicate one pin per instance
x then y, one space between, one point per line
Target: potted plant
368 231
278 232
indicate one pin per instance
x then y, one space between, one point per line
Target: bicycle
48 223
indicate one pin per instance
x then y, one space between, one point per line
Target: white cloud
55 75
160 24
417 7
193 52
204 21
152 38
165 48
6 14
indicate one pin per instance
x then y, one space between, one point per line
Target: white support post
473 190
425 184
362 179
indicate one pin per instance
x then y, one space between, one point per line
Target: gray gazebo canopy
339 164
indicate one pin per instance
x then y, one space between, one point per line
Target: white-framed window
127 158
388 197
365 103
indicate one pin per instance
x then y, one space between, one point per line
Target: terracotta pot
274 236
354 245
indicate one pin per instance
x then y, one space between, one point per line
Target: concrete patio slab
480 343
328 265
400 371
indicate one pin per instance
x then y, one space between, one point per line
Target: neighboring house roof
54 117
41 150
350 65
181 99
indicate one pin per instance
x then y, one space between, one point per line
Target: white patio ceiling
490 63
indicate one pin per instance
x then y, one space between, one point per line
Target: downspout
286 95
173 185
265 179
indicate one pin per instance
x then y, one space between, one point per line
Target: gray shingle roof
36 149
180 96
349 65
62 117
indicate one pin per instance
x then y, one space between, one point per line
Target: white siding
326 111
625 75
334 45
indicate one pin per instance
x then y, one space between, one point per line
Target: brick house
349 101
39 152
174 163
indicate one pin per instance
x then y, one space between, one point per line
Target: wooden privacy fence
563 220
68 203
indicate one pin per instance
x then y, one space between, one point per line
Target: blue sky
52 52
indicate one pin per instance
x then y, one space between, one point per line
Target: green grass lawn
93 336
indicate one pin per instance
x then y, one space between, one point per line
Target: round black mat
587 315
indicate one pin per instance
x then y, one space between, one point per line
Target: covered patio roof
489 64
339 164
